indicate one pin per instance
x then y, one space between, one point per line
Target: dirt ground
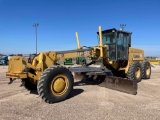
87 102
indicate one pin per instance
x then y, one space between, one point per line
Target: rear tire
146 70
55 84
135 71
28 84
100 79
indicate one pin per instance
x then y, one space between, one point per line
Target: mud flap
120 84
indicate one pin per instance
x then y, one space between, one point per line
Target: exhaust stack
78 43
100 41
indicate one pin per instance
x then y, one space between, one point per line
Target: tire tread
41 83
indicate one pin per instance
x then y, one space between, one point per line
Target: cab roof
116 30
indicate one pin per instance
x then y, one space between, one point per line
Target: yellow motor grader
112 64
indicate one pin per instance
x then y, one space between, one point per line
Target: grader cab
123 60
112 64
117 42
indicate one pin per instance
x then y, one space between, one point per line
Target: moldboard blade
120 84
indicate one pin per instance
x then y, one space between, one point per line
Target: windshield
108 38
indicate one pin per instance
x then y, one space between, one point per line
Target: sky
60 19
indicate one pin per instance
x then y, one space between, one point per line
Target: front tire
135 71
55 84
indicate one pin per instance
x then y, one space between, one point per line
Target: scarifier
112 64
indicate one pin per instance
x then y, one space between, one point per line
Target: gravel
87 102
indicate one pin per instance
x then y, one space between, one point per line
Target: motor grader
112 64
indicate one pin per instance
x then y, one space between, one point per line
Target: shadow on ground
74 92
34 92
86 82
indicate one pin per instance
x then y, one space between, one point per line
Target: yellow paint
59 85
16 75
136 54
15 65
78 43
100 41
154 62
138 72
148 70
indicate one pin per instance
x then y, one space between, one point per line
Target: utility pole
122 26
35 26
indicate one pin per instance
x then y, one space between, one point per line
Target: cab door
123 40
109 39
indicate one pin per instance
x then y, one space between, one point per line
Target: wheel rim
59 85
148 70
138 72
